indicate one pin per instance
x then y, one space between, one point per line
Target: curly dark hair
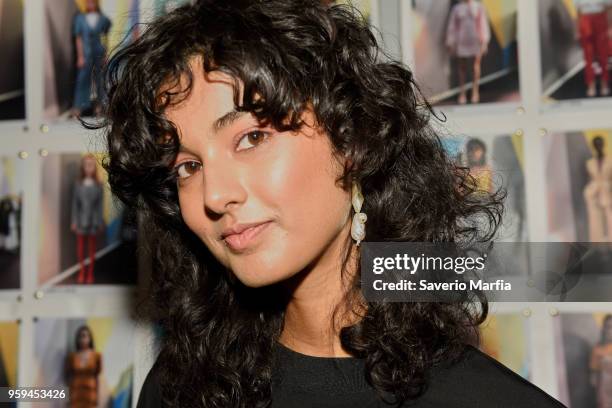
290 55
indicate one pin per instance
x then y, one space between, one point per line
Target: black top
476 381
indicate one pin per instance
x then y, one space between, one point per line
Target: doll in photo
467 39
601 365
476 154
592 31
598 193
9 234
87 218
89 28
83 368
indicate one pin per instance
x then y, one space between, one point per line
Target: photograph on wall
504 336
9 342
12 75
497 162
575 48
466 51
79 37
86 235
12 182
92 357
578 171
584 359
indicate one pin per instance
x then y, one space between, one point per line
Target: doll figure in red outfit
467 38
87 217
592 31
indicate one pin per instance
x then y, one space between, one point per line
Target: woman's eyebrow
220 123
227 119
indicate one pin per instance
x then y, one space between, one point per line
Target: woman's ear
350 166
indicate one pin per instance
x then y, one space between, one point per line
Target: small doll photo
87 215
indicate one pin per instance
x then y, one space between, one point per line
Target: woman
83 368
88 29
86 215
467 39
258 139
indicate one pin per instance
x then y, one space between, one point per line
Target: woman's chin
261 275
258 279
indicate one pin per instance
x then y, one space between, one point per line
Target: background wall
545 129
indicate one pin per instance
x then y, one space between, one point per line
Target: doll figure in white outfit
467 38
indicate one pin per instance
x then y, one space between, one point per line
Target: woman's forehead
211 95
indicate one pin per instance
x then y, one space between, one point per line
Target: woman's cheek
192 211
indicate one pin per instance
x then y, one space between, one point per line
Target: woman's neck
314 293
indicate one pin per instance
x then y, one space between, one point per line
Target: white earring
359 219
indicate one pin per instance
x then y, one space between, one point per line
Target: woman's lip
240 242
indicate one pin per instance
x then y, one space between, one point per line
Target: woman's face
598 144
84 339
91 5
234 173
89 166
476 155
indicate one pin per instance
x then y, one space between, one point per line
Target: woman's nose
223 187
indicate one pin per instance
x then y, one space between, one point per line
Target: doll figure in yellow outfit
476 153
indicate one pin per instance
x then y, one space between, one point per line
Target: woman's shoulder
479 380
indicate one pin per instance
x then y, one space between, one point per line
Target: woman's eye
187 169
251 139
